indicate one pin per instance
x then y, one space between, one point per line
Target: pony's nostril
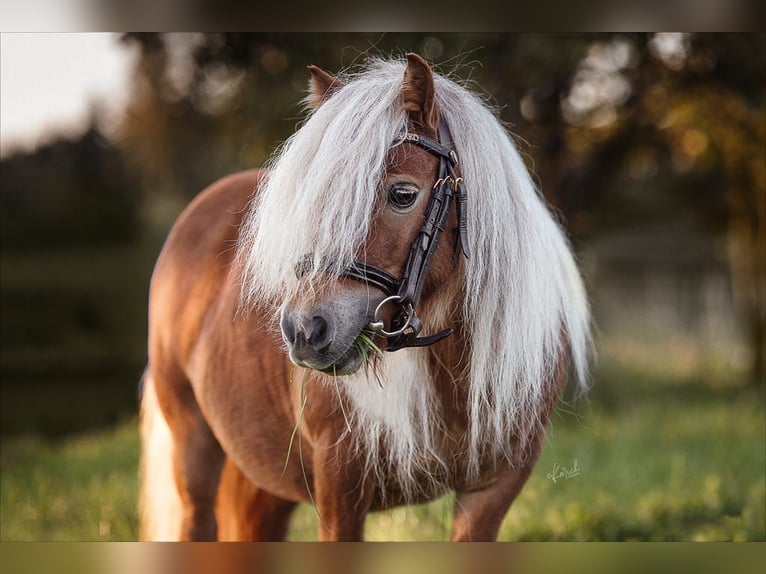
288 328
305 336
318 333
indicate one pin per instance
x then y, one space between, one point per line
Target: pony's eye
402 198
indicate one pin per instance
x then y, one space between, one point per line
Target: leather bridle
405 325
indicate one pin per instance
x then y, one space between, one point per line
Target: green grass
658 460
83 488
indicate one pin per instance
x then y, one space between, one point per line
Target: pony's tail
159 501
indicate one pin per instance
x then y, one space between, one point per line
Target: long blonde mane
525 308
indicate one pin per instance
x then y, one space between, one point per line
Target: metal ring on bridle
377 323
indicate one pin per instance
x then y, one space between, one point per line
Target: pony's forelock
525 309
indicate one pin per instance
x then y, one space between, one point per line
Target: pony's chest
408 429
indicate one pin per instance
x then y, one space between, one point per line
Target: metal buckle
449 180
377 323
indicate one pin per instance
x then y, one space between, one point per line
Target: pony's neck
449 360
448 364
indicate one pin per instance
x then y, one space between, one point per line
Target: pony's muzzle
320 335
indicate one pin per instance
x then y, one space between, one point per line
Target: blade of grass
303 466
369 343
297 422
340 399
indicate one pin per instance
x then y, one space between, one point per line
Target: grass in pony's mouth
363 351
370 352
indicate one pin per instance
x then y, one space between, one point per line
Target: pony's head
361 188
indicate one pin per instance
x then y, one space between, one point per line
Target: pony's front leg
197 459
197 464
479 513
342 496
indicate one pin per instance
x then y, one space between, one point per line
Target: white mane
524 296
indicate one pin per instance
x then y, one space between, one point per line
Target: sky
48 83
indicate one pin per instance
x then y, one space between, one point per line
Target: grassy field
656 459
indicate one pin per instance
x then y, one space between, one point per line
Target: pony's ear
321 86
418 93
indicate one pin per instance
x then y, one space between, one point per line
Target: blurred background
650 147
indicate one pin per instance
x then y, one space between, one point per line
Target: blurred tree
67 193
681 119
